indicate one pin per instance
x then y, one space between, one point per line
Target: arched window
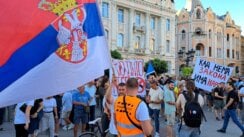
198 31
228 37
199 50
198 14
183 34
120 40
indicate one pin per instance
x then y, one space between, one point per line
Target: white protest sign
208 74
125 69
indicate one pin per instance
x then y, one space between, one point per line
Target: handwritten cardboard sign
125 69
208 74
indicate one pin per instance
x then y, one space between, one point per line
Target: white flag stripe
55 76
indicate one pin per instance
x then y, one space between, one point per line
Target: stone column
114 25
147 38
131 35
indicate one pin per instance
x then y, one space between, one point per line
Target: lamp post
186 57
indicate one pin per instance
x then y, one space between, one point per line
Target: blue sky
220 7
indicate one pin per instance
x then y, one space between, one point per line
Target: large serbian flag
48 47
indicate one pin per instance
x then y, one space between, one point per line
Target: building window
233 54
209 33
219 53
228 53
183 34
152 23
138 19
120 41
121 16
210 51
237 55
198 14
167 46
152 45
137 42
168 24
228 37
169 66
106 33
105 8
218 35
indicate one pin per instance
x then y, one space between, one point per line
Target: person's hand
26 126
56 117
225 108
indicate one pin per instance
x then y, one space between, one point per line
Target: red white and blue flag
48 47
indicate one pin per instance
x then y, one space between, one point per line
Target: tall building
141 29
213 37
242 56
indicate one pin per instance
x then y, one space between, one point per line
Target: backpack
193 113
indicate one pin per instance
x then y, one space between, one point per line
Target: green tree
160 66
186 71
116 55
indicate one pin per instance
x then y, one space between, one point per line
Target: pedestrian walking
230 109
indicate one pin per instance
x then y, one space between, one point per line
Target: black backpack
193 113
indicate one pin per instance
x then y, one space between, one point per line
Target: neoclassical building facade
141 29
213 37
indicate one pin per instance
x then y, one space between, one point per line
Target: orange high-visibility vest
124 126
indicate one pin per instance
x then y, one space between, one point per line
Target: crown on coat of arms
58 7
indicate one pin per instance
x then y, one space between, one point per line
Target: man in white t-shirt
111 98
91 89
155 98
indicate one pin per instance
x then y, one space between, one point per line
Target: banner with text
208 74
125 69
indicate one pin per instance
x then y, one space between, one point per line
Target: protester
219 101
170 109
230 109
133 110
2 110
81 102
241 95
155 98
66 110
102 90
186 131
50 114
111 98
36 114
22 118
58 99
91 89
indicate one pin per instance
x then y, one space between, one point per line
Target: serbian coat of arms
71 37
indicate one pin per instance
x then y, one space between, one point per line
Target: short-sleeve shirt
49 104
155 95
242 92
92 91
19 117
142 113
67 101
169 96
82 98
220 92
234 95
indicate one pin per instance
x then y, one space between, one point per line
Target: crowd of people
124 113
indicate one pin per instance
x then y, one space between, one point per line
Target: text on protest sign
208 74
125 69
